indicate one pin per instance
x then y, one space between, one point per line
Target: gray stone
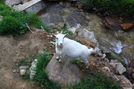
26 5
119 67
64 72
31 69
23 67
22 72
36 7
12 2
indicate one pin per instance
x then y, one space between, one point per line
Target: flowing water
119 42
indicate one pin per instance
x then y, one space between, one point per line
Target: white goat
67 47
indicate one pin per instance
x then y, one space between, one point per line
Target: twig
42 28
29 28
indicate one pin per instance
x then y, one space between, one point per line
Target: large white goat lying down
67 47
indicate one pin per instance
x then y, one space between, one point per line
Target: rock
23 67
24 1
1 18
113 61
118 67
12 2
112 23
32 68
14 71
132 65
22 72
124 82
31 6
61 24
110 54
106 71
126 26
36 7
64 72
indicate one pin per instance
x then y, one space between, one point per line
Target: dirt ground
19 47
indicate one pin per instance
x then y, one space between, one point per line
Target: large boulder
64 72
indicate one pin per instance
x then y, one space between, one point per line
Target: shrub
14 22
112 6
10 24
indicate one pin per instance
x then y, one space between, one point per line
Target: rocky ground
24 46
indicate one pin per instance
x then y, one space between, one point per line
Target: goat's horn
61 32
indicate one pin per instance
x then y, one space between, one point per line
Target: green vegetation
41 77
112 6
14 22
96 82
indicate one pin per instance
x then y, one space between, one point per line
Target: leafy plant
96 82
14 22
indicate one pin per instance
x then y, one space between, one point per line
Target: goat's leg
60 57
86 62
57 57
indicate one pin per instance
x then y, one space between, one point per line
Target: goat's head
60 38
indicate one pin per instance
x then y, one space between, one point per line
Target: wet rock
126 26
112 23
64 72
110 54
12 2
32 68
118 67
22 72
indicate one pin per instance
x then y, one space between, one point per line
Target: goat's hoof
60 61
57 58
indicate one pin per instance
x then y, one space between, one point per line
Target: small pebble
14 71
22 72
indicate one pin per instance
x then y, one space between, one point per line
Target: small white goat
67 47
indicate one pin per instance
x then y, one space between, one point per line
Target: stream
118 42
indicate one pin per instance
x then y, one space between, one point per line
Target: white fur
72 49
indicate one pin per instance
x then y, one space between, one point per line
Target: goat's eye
56 38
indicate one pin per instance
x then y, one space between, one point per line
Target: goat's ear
66 35
53 35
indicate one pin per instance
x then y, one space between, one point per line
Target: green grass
14 22
96 82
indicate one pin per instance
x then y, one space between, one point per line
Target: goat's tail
97 51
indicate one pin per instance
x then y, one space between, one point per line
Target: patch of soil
20 47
